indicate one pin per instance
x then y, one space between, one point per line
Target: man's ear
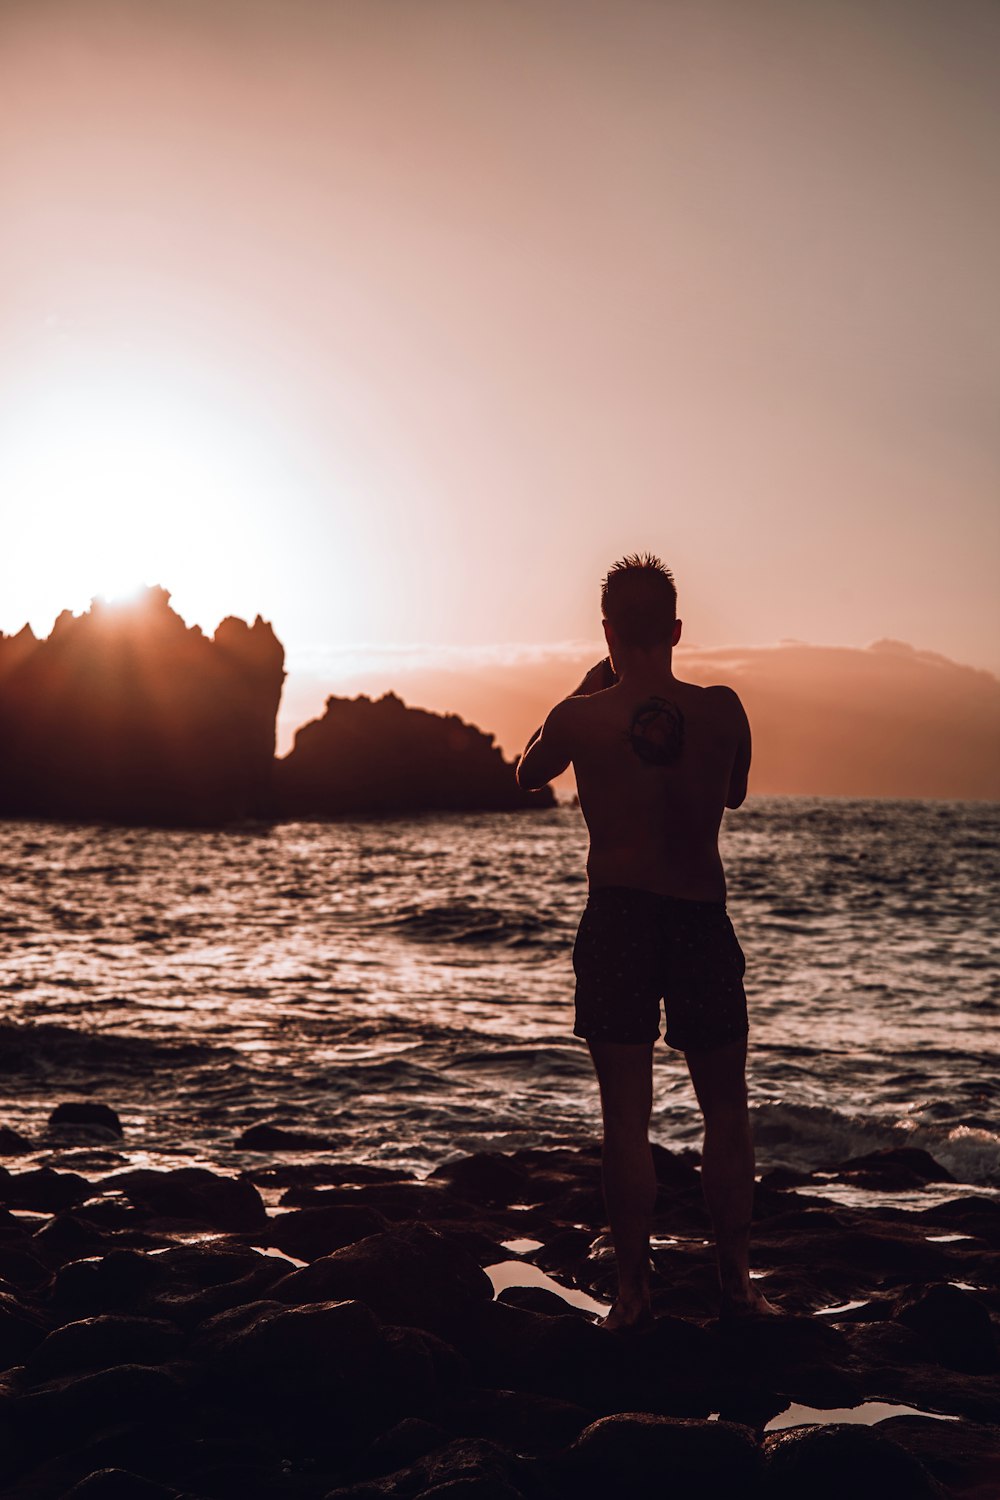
677 633
607 634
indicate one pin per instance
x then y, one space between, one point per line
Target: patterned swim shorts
635 948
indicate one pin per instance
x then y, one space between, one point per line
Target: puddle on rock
867 1413
522 1246
842 1307
521 1273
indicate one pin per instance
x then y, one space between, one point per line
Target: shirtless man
657 761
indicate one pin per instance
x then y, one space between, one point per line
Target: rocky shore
314 1329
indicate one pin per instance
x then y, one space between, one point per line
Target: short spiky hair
639 600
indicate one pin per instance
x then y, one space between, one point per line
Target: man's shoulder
717 693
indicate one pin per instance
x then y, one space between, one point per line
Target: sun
117 474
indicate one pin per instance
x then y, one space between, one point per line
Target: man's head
639 604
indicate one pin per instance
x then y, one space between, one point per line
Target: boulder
274 1138
634 1455
98 1342
43 1190
403 1444
13 1143
121 1279
119 1484
194 1194
955 1325
21 1330
486 1177
520 1420
410 1275
63 1411
831 1461
308 1233
895 1169
85 1113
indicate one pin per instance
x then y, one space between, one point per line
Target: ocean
403 988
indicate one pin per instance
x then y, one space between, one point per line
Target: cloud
885 720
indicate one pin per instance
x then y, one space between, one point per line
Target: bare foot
753 1305
625 1317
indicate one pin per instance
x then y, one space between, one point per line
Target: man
657 761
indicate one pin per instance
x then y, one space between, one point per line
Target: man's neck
639 668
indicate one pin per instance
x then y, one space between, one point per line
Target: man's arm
736 795
596 680
548 752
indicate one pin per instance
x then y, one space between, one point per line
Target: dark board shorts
635 948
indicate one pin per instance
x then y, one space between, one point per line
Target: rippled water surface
405 988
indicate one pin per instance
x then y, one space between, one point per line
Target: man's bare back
657 761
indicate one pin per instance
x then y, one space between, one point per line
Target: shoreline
329 1328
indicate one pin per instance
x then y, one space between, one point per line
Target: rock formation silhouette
383 757
127 714
124 713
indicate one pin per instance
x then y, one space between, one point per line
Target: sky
398 321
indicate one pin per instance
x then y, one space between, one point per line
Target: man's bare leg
625 1075
727 1169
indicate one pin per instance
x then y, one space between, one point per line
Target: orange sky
398 320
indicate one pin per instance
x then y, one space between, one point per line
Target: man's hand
597 679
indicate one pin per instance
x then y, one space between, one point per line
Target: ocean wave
461 922
27 1048
817 1137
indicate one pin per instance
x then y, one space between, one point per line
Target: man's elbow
523 777
737 796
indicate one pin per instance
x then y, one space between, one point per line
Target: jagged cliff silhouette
126 714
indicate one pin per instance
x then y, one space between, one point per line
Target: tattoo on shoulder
657 732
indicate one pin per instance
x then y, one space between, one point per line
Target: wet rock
13 1143
274 1138
22 1328
967 1215
955 1325
829 1462
564 1251
410 1275
473 1489
486 1177
75 1113
43 1190
635 1454
118 1484
538 1299
308 1233
964 1457
195 1194
305 1176
64 1410
96 1343
675 1171
481 1467
325 1370
808 1360
520 1420
118 1280
896 1169
67 1237
409 1440
398 1201
566 1358
200 1280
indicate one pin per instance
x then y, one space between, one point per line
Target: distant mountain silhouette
125 713
382 757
